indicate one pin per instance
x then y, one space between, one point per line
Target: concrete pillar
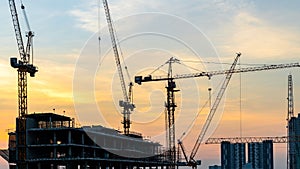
82 139
55 142
50 121
82 152
39 166
69 151
54 153
103 165
95 140
71 166
54 137
69 137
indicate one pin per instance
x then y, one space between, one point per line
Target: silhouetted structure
54 142
232 155
260 155
294 147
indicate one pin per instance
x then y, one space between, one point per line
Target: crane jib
140 79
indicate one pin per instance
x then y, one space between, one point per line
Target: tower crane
126 103
170 105
23 66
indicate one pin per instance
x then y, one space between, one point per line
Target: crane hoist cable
240 100
174 61
224 63
207 103
121 51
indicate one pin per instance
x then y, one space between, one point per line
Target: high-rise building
233 156
268 160
294 146
255 155
260 155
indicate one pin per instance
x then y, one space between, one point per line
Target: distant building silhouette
294 147
260 155
232 155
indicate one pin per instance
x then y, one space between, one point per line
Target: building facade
260 155
52 141
255 155
233 156
294 144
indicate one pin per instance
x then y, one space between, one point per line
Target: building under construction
294 151
47 140
54 142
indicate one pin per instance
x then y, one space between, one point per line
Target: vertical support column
54 152
103 165
82 142
55 142
110 166
69 137
82 138
85 165
39 166
54 138
69 142
50 122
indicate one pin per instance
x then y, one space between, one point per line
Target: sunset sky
74 77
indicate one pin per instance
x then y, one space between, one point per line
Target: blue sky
263 31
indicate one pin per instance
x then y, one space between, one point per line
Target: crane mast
170 106
291 151
126 102
290 98
23 66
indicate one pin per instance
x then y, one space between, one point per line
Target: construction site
49 140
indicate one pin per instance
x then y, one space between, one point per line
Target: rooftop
48 116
